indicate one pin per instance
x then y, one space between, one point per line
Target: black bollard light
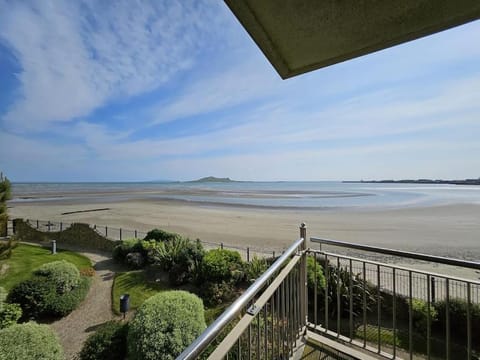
124 304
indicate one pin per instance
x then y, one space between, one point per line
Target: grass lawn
26 258
136 284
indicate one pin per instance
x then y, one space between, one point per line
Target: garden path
74 329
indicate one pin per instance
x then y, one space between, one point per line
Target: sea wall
77 234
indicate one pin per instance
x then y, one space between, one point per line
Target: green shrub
215 293
64 275
222 265
63 304
29 341
9 315
31 295
38 297
255 268
165 325
125 247
458 319
3 296
180 257
135 260
109 342
420 314
161 235
315 275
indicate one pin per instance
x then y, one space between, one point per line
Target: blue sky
137 90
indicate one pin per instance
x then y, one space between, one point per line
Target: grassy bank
26 258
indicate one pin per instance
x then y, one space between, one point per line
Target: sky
163 90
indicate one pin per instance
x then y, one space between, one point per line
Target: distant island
419 181
212 179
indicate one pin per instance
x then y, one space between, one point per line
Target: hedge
64 275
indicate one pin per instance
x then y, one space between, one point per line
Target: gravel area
94 311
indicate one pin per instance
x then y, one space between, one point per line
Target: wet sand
450 230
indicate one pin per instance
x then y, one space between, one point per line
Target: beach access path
95 310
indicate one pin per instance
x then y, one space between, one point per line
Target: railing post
303 276
120 234
135 234
432 280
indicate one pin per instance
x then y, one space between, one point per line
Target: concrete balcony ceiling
299 36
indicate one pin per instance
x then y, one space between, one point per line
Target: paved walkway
94 311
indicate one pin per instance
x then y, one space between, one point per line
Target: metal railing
266 320
396 311
373 307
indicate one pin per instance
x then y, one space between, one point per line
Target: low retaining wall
77 234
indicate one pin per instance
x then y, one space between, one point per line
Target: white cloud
75 57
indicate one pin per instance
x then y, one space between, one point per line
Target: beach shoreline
428 229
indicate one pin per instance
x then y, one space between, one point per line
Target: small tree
5 194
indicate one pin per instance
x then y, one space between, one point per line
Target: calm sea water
271 194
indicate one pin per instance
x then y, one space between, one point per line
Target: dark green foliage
255 268
63 304
64 275
39 297
161 235
29 341
109 342
165 325
315 275
135 260
222 265
5 194
32 296
215 293
339 280
458 319
420 313
125 247
180 257
9 314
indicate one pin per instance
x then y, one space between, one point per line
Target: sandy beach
450 230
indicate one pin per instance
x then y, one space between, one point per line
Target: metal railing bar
394 313
407 254
469 322
233 310
447 314
390 266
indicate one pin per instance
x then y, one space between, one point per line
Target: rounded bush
109 342
222 265
126 247
165 325
32 296
161 235
29 341
63 304
215 293
64 275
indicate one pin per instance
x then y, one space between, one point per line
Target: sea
291 195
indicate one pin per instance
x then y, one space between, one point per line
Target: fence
119 234
359 307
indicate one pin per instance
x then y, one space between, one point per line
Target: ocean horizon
278 194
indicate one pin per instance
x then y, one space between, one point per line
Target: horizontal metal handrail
405 254
197 347
396 267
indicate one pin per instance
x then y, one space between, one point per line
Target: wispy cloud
78 56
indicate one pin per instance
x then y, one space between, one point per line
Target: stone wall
78 235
